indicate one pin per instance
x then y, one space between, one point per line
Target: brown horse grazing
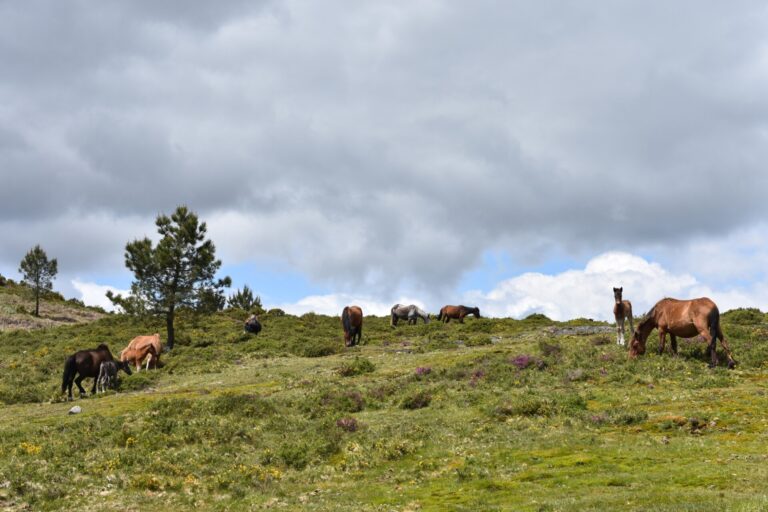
87 363
684 318
135 356
457 313
622 309
352 322
139 342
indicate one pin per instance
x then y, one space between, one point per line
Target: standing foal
622 309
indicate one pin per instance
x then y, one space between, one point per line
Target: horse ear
621 289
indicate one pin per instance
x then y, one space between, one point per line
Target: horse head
617 294
125 366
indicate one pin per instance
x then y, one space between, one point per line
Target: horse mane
103 346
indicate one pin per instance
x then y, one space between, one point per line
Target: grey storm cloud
381 143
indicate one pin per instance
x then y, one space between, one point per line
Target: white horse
412 313
622 309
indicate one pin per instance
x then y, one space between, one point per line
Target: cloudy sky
521 156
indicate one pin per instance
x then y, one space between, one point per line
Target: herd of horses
102 366
673 317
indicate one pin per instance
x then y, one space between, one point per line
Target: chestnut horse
87 363
622 309
457 313
684 318
139 342
352 322
135 356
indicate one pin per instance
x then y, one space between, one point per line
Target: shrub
347 424
550 349
418 400
524 361
358 366
524 406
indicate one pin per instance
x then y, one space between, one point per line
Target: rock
76 410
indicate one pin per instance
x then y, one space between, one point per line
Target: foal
622 309
107 376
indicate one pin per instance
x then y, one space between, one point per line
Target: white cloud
93 294
333 304
588 292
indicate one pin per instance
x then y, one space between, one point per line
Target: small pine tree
38 273
244 299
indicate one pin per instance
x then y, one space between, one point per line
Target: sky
519 156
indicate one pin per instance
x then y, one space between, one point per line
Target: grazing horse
87 363
135 356
352 322
138 343
457 313
684 318
412 313
252 325
622 309
107 376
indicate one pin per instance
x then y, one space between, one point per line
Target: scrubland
494 414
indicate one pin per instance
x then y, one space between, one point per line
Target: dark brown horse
684 318
352 322
457 313
622 309
87 363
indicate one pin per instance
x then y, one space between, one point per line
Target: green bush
358 366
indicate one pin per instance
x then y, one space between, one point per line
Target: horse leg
78 380
662 340
149 360
673 340
93 389
731 361
620 331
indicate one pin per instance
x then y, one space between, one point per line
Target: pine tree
244 300
177 273
38 273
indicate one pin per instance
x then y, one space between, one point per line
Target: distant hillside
17 304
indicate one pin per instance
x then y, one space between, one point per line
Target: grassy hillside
17 305
489 415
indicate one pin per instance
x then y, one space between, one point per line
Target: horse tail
70 368
714 323
440 315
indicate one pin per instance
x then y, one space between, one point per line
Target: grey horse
412 313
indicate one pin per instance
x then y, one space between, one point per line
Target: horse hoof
731 365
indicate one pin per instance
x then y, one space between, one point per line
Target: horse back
355 316
88 362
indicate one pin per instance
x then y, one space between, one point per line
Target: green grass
489 415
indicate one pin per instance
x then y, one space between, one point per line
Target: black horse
252 325
87 363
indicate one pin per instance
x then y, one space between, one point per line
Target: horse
352 322
622 309
87 363
135 356
412 313
139 342
457 313
252 325
107 376
684 318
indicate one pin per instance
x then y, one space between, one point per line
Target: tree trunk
169 327
37 302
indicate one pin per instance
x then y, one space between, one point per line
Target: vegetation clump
357 366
